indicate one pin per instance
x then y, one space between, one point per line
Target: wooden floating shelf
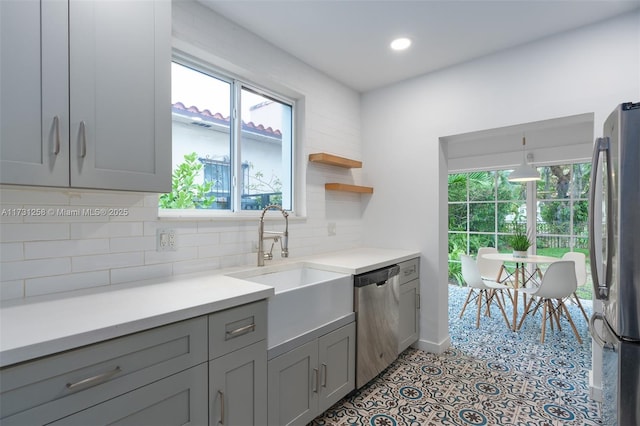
334 160
348 188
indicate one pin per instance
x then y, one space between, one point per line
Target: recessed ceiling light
401 43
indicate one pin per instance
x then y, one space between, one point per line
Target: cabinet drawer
67 382
179 400
236 328
409 270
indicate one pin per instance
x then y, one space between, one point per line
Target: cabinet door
409 314
180 399
120 73
238 387
34 93
293 386
337 358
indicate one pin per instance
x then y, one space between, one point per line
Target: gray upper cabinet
34 93
86 94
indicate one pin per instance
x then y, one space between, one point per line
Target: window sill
208 215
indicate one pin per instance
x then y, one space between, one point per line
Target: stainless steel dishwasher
377 306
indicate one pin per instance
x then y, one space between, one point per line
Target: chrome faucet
282 237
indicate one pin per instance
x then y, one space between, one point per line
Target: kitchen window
232 144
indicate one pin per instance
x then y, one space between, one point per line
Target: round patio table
520 271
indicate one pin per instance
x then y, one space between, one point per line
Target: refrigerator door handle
601 289
594 334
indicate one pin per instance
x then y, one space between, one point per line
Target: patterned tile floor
489 376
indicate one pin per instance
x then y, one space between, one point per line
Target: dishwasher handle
378 277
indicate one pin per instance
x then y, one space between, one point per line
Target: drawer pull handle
89 381
239 331
221 394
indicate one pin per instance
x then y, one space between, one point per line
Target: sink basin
305 298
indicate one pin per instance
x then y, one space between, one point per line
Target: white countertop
361 260
45 325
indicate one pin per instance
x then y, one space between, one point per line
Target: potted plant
520 243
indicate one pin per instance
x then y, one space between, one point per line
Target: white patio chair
489 269
558 283
480 289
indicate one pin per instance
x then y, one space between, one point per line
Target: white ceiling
348 39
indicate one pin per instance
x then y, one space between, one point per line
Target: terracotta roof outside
218 118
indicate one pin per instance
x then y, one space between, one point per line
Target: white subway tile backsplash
151 257
68 282
10 252
196 240
128 244
28 195
106 261
90 230
35 268
236 260
11 290
196 265
106 199
139 273
64 248
223 250
14 232
126 229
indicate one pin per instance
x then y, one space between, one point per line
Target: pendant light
524 172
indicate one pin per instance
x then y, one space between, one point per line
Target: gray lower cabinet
238 387
177 400
409 331
207 370
52 388
238 366
307 380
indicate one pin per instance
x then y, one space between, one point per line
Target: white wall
56 253
589 70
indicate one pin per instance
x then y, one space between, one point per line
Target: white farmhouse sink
305 298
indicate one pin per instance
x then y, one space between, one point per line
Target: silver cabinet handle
324 375
56 145
83 140
315 380
408 272
221 395
239 331
90 381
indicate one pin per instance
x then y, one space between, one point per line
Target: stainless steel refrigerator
614 234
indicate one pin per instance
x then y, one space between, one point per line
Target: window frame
237 84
